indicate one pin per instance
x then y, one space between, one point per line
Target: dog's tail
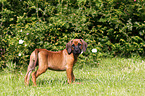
30 69
36 57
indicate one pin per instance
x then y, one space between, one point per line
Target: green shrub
112 27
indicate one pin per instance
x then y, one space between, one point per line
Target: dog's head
76 46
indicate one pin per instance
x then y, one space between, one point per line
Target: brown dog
60 61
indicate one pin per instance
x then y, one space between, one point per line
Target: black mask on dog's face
77 48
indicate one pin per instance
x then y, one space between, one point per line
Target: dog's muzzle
77 50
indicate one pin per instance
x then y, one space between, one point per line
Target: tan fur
58 61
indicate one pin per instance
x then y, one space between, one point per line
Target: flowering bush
112 27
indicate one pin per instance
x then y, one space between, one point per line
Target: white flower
21 41
19 54
25 44
21 30
94 50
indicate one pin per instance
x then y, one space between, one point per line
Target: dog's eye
73 45
79 44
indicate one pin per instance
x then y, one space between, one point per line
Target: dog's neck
76 56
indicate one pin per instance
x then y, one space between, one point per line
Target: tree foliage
113 27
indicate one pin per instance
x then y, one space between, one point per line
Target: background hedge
113 27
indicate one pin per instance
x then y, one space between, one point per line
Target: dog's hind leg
37 73
27 77
29 70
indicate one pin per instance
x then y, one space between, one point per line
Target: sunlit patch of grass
113 76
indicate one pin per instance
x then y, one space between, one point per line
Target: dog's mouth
77 52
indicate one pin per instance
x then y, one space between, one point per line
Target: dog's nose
76 49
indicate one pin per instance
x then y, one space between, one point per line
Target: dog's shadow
55 81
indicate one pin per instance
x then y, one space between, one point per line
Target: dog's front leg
70 76
73 77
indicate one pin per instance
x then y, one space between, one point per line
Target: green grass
113 77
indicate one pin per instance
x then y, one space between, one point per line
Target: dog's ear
68 47
84 45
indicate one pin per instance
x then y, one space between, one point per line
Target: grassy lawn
113 76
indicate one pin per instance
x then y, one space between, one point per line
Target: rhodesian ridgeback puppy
63 60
